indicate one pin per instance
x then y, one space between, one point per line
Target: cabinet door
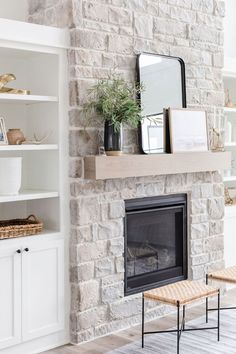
42 288
10 296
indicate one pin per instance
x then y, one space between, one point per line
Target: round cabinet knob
26 249
18 251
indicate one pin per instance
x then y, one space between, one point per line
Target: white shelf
230 144
230 109
26 99
30 147
229 74
229 178
28 195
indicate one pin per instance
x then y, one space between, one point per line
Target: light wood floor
119 339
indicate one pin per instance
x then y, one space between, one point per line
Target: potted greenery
114 100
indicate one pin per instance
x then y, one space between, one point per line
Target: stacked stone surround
107 34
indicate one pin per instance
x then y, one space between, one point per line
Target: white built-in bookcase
37 56
37 68
229 78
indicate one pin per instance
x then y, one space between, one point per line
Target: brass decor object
5 79
20 227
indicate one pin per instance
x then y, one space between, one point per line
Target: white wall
14 9
230 28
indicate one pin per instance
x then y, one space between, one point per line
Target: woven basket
20 227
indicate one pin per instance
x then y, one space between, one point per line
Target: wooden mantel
107 167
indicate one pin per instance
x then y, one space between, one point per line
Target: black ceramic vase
112 139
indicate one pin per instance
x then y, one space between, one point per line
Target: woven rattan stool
180 294
227 275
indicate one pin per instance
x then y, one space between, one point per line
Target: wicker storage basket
20 227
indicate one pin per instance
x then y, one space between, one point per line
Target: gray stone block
91 251
89 293
84 210
104 267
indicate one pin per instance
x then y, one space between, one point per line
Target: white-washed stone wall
107 34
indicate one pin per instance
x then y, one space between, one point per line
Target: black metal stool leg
178 330
207 300
183 317
142 321
218 317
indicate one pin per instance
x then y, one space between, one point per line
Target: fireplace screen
155 242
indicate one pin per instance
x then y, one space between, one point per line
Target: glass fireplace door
154 246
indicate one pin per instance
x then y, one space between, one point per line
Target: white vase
10 175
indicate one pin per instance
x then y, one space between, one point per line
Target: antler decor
36 140
4 79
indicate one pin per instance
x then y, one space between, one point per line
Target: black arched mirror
163 81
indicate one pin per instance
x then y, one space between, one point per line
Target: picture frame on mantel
188 130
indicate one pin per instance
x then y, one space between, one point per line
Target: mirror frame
183 84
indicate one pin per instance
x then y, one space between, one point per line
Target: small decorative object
115 103
3 135
217 141
15 137
188 130
20 227
5 79
217 133
10 175
101 151
37 141
230 197
228 102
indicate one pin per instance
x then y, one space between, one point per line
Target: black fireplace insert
155 242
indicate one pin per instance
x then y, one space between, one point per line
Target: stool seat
181 293
226 275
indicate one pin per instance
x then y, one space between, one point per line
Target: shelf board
229 178
229 74
230 144
26 99
48 234
28 147
107 167
230 109
28 195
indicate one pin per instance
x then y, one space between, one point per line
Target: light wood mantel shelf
108 167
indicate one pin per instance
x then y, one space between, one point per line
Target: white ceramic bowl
10 175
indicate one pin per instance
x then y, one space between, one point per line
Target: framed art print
188 130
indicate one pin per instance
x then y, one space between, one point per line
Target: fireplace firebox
155 242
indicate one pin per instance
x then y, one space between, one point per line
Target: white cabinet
42 288
32 291
10 296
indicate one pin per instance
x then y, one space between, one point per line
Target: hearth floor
121 338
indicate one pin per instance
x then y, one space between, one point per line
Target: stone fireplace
155 241
108 34
97 244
